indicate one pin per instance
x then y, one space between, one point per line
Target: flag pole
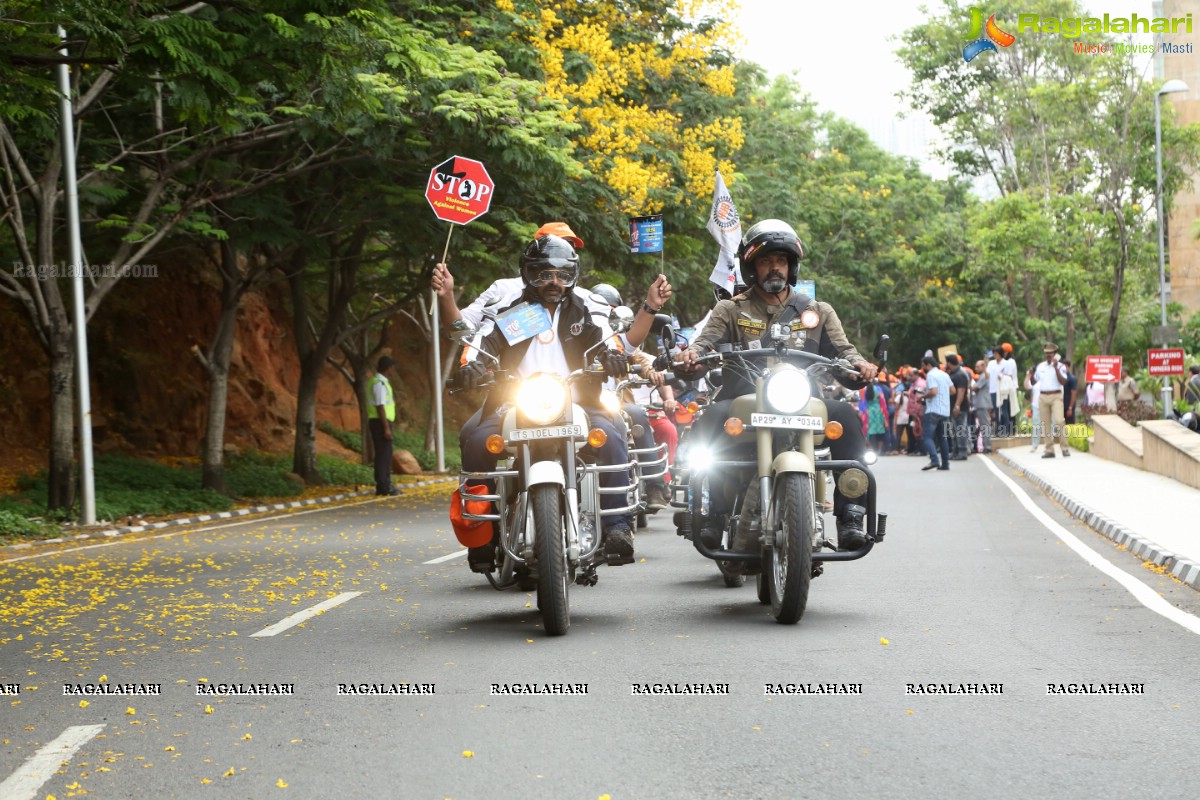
438 445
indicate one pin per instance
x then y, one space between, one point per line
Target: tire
552 561
641 520
791 558
764 589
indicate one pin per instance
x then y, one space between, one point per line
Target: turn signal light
833 430
734 426
495 444
693 407
597 437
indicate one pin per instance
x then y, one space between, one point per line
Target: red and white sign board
459 190
1165 362
1102 369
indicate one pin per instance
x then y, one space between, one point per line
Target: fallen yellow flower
468 753
281 784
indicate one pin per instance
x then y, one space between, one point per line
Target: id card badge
523 322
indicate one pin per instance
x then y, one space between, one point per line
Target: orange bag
471 532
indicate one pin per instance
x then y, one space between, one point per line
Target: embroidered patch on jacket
752 324
576 328
810 318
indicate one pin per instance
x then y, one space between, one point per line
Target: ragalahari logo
985 37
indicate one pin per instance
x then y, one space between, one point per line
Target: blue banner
523 322
646 234
806 287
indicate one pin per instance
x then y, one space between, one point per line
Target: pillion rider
549 272
770 253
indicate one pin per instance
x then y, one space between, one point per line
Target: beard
774 284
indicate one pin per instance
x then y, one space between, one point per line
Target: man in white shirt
1007 393
993 382
1051 380
549 271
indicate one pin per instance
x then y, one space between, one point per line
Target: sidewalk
1150 514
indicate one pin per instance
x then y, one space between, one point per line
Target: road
969 588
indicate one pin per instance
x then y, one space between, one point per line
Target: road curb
217 516
1185 570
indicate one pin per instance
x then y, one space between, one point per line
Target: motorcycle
651 461
788 484
546 513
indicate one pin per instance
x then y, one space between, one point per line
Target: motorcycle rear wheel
791 558
552 587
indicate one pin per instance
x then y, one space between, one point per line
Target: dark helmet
609 293
549 253
770 236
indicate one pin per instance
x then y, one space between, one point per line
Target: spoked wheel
553 574
791 558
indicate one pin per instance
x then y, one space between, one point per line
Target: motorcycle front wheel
791 558
552 561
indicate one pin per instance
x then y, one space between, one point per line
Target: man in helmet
549 272
443 286
634 403
770 253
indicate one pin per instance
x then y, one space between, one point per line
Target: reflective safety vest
389 407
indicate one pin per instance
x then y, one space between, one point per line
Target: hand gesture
443 281
866 370
659 293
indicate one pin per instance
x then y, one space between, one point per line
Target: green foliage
1079 436
343 473
15 524
351 440
414 442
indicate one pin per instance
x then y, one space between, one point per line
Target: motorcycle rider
656 494
770 252
549 272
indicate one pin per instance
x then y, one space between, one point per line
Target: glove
472 375
615 363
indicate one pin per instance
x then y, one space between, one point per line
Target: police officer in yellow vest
381 412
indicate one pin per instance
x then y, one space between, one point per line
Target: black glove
472 375
615 363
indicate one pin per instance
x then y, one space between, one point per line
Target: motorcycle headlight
542 399
870 457
610 401
699 459
788 390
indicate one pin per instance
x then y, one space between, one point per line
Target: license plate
552 432
798 423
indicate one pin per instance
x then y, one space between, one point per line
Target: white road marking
449 557
41 766
301 616
1140 591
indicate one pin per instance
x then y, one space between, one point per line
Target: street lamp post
1169 87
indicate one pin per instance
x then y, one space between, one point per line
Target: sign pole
439 444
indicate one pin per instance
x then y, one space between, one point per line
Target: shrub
343 473
13 523
259 480
348 439
414 442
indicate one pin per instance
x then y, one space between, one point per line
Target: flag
726 227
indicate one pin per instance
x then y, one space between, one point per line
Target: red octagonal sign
459 190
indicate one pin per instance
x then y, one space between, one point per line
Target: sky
843 55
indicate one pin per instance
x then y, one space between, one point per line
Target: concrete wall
1172 450
1183 249
1116 440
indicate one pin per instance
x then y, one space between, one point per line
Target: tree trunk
62 421
304 455
217 365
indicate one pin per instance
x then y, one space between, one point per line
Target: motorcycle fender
544 472
792 461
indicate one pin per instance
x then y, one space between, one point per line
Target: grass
127 486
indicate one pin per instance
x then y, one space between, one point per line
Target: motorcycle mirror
620 319
461 331
881 348
666 337
657 324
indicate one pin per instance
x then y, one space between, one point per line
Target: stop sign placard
459 190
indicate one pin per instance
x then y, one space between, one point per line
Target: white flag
726 227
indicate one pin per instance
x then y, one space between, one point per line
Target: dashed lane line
306 614
449 557
1140 591
42 765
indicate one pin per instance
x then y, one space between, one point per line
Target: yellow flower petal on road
468 753
908 711
206 780
169 748
130 711
281 784
228 774
83 703
247 736
208 709
103 678
883 641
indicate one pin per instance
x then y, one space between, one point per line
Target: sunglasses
547 275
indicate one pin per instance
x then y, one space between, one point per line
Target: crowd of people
947 411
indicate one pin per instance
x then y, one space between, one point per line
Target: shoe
1066 453
928 467
481 558
958 458
618 545
657 498
711 538
1048 454
945 467
849 529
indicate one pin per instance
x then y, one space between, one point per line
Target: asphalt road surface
969 590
